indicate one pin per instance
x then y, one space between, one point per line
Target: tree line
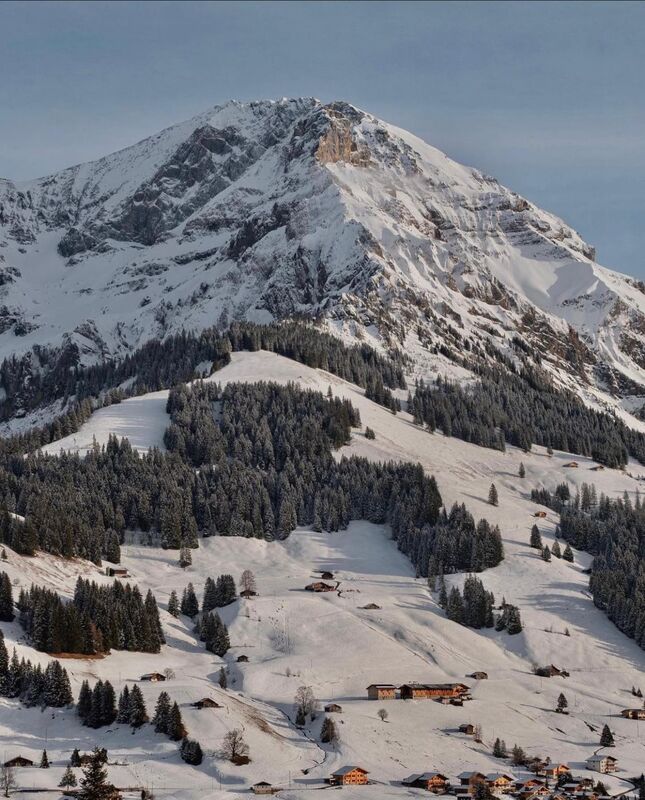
30 683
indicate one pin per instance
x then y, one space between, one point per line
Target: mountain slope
271 209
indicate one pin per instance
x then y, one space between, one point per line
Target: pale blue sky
548 97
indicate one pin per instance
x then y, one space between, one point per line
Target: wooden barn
263 787
242 659
633 713
19 761
153 677
434 782
597 468
320 586
540 514
206 702
349 776
370 607
381 691
551 671
432 691
117 572
572 464
333 708
467 728
478 676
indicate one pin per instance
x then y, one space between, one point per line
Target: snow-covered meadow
327 641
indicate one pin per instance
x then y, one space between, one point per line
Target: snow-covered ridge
265 210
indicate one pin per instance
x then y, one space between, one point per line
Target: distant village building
500 782
600 763
333 708
540 514
206 702
478 676
117 572
597 468
471 779
371 607
349 776
153 677
572 464
551 671
554 770
433 691
242 659
381 691
320 586
434 782
467 728
262 787
633 713
19 761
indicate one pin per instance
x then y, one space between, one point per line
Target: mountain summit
271 209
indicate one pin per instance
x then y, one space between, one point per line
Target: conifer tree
493 498
536 539
162 713
176 728
191 752
44 760
546 553
173 604
328 731
222 679
189 605
555 550
6 598
514 623
94 785
123 712
68 780
521 472
567 555
137 707
563 703
75 759
606 737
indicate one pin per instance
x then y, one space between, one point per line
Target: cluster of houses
453 693
541 786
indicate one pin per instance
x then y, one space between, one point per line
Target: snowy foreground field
292 637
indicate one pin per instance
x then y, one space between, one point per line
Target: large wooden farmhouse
320 586
633 713
381 691
348 776
433 691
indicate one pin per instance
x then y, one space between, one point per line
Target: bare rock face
272 209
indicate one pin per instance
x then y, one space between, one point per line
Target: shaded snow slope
327 641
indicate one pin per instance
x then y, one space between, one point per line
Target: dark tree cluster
509 620
191 752
613 531
218 593
522 408
98 619
32 684
213 633
167 718
375 390
97 707
473 607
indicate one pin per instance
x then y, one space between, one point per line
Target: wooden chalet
500 782
333 708
597 468
433 691
467 728
633 713
320 586
153 677
248 593
263 787
381 691
370 607
348 776
435 782
571 464
470 779
117 572
206 702
19 761
554 770
540 514
478 676
242 659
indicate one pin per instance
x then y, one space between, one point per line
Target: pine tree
518 756
209 601
563 703
546 553
222 679
189 605
84 704
185 557
162 713
514 622
555 550
369 433
123 713
521 472
44 760
191 752
173 604
567 555
137 708
75 760
176 729
68 780
6 598
493 498
607 737
328 732
94 784
536 539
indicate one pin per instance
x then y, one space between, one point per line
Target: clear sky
548 97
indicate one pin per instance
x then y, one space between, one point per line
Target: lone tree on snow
493 498
234 747
68 780
247 581
382 714
521 472
607 737
563 704
536 539
7 780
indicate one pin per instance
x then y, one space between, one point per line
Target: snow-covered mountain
270 209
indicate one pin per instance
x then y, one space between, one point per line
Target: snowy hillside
264 210
328 641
